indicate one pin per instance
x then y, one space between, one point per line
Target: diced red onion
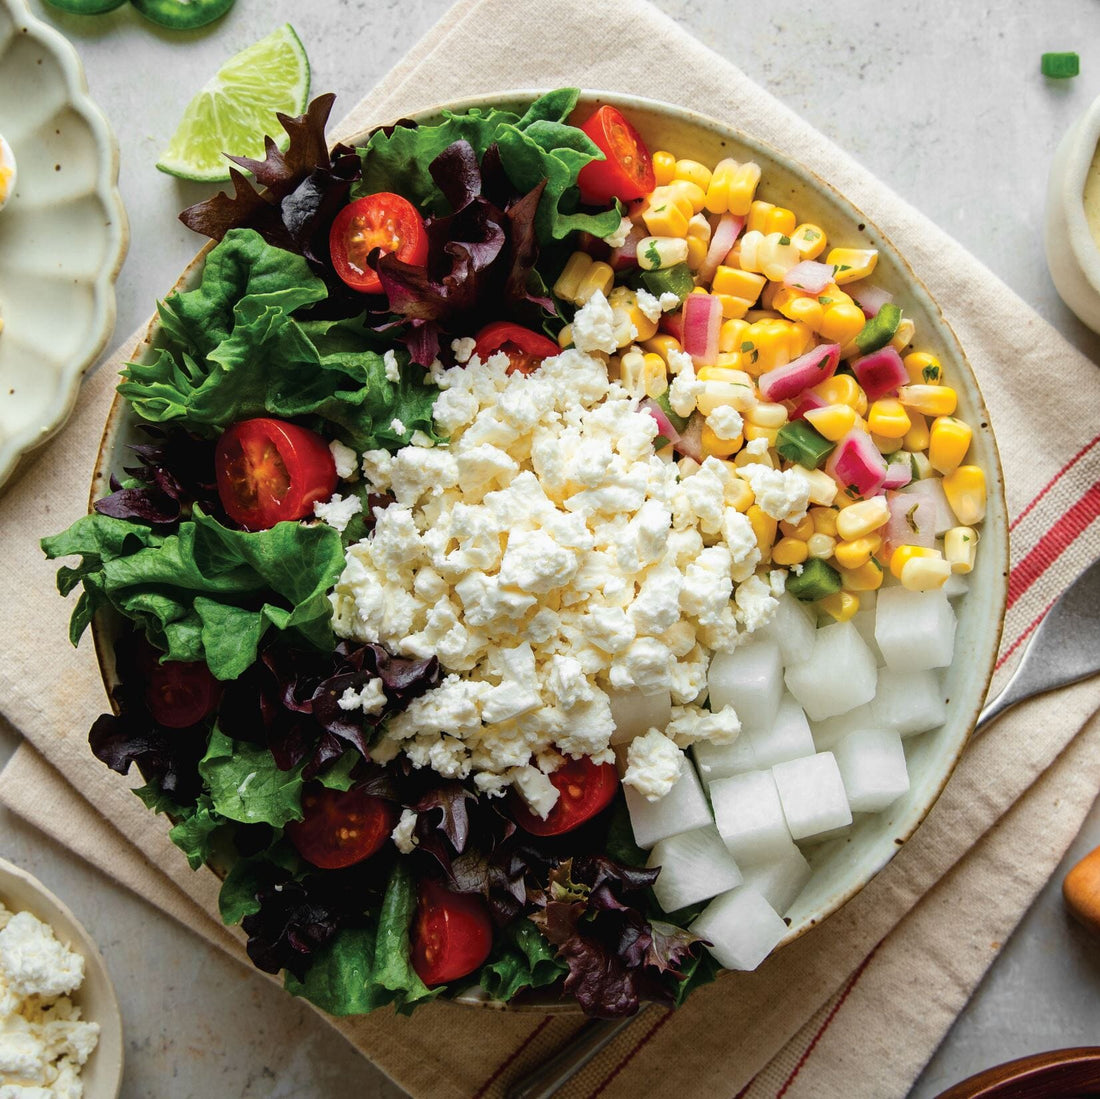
702 319
868 297
722 239
626 255
785 382
810 276
857 466
664 424
690 443
880 373
803 403
673 324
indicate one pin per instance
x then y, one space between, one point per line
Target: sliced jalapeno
182 15
86 7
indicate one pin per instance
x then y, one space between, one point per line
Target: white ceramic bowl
1073 254
63 232
102 1075
842 866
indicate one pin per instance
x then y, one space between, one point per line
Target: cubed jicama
695 866
872 766
914 630
829 733
788 738
683 808
749 815
931 489
792 628
780 877
812 795
741 927
909 702
635 713
864 622
715 761
839 675
750 678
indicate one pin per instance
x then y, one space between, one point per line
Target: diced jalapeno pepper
678 422
798 442
1060 66
676 279
87 7
183 15
816 580
879 330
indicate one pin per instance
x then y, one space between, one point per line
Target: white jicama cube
749 816
741 927
792 628
788 738
751 680
872 765
909 702
812 794
864 622
695 866
958 583
682 809
830 732
915 630
779 878
635 713
722 760
839 676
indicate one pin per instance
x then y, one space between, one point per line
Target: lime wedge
237 107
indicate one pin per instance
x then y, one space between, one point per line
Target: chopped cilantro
931 373
825 301
653 254
784 240
909 517
747 345
844 267
810 234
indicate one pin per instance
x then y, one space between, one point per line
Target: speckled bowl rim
995 551
102 322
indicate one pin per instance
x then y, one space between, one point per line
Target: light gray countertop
941 100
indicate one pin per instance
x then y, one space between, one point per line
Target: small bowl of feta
60 1026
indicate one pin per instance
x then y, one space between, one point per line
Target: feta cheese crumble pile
43 1040
555 563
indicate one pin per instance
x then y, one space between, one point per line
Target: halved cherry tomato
584 789
340 827
179 693
627 171
525 349
269 471
383 220
452 934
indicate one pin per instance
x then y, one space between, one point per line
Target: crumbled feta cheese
463 348
339 511
653 764
782 494
402 835
594 326
669 301
397 427
617 238
370 698
393 371
536 789
345 459
648 304
726 422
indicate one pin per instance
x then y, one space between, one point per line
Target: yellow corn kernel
802 529
757 215
664 167
575 269
862 517
662 344
923 368
742 187
841 605
755 431
789 551
803 308
887 417
716 394
823 488
841 322
654 375
665 215
809 240
772 255
904 334
925 573
764 527
624 301
631 367
600 276
780 220
904 554
851 554
693 172
931 400
767 414
691 193
852 263
565 337
948 442
737 283
868 577
733 309
754 315
821 545
885 444
717 200
842 389
834 421
966 493
767 295
960 546
696 253
732 334
711 444
916 438
738 494
824 519
655 253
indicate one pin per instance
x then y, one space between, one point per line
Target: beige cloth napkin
854 1008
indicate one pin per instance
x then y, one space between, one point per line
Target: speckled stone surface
942 100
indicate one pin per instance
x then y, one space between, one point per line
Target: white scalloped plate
63 233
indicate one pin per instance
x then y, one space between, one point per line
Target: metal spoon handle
545 1080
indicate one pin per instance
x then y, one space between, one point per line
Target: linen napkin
856 1006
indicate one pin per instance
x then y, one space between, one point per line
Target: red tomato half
525 349
627 171
584 789
180 693
340 827
452 934
383 220
269 470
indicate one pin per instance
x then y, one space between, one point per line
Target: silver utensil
1064 649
